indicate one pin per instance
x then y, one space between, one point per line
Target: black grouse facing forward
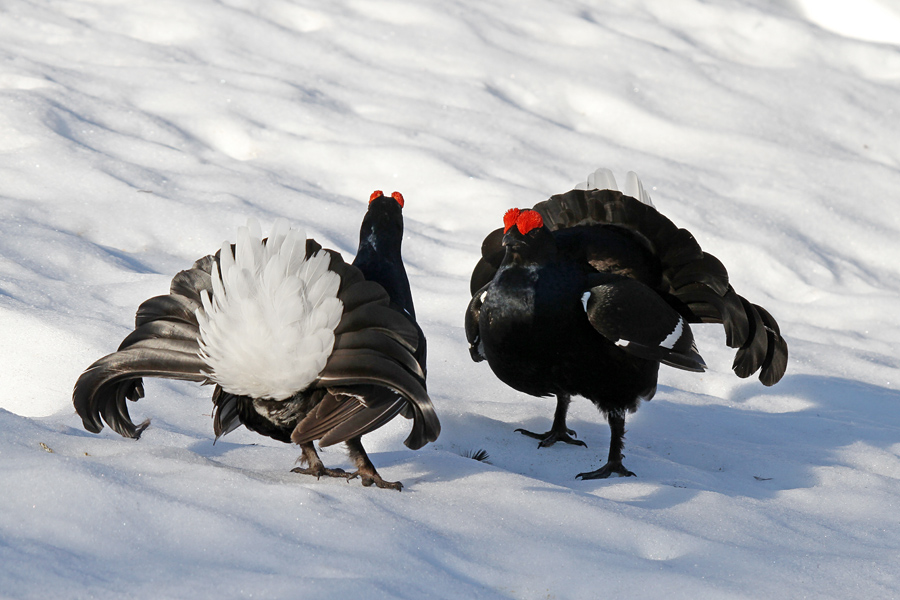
588 292
300 345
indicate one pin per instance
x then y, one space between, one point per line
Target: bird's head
382 227
378 199
525 236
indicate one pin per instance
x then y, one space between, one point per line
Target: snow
136 137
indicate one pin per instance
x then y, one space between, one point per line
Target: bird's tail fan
261 311
267 323
696 282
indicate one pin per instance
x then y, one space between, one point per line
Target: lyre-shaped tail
163 344
696 280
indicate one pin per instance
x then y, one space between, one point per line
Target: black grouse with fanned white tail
300 345
588 292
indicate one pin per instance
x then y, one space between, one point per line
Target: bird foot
548 438
607 470
374 478
319 470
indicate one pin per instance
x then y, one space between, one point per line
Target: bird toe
605 471
318 471
548 438
375 479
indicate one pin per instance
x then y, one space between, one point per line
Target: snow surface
135 137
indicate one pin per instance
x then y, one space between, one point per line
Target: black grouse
589 291
299 345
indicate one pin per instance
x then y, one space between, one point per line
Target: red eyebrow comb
396 196
509 219
528 220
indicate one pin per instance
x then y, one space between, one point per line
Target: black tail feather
163 344
192 282
752 353
161 329
171 308
696 282
226 417
775 363
103 388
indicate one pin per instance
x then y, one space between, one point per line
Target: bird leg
616 443
365 469
558 431
315 466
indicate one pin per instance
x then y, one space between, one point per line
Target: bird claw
320 470
605 471
368 480
548 438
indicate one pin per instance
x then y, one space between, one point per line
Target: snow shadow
760 443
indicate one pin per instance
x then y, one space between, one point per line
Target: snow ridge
268 328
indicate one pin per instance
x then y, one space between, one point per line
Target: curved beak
513 239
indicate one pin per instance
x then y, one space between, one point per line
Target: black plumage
375 371
589 292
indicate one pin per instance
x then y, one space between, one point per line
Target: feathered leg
365 469
616 443
558 431
315 466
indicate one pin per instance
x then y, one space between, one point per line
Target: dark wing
695 283
347 412
163 344
638 320
473 313
372 374
492 252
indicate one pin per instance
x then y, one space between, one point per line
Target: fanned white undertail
603 179
268 329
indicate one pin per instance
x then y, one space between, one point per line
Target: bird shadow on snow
125 260
757 443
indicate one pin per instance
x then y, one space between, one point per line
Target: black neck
379 256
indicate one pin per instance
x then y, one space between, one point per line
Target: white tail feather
603 179
634 188
269 327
